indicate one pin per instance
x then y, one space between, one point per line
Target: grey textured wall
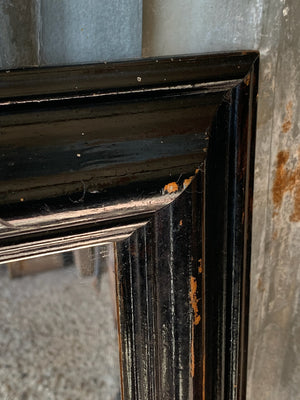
271 26
44 32
73 31
198 26
18 33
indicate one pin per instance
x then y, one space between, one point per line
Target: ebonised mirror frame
157 156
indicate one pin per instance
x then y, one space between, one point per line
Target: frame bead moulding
156 156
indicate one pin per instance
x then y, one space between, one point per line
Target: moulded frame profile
157 156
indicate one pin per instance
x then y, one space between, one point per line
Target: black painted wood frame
157 156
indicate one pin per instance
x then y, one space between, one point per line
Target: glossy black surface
102 152
48 82
158 276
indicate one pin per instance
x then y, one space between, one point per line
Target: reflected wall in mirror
59 337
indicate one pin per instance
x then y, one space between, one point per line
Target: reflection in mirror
58 334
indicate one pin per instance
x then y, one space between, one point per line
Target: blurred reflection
58 333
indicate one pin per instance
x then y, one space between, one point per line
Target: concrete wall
44 32
271 26
89 30
18 33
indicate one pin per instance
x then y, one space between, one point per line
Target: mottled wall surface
176 27
274 364
47 32
197 26
89 30
18 33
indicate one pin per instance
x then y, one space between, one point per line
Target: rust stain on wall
287 122
295 217
285 181
282 178
260 285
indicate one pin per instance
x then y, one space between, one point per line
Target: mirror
155 156
59 336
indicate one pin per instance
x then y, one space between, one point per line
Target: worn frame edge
238 391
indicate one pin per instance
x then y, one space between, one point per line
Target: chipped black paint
93 137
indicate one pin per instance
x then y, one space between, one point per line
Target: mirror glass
58 333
